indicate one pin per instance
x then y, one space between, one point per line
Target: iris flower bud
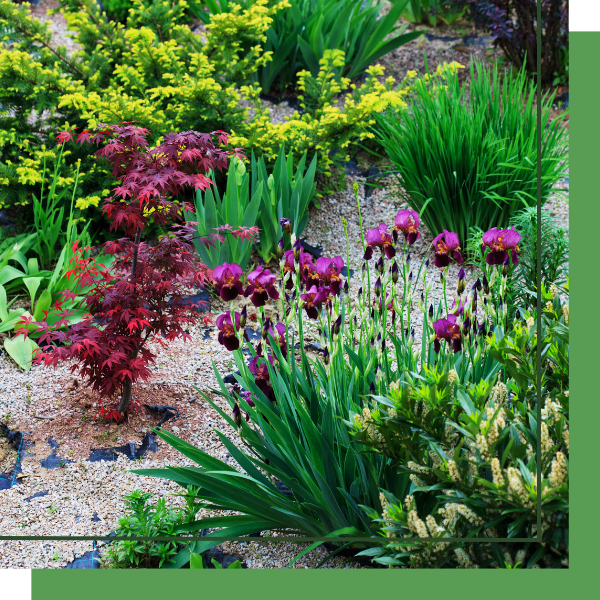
286 225
395 272
379 265
326 356
431 311
243 317
460 288
280 249
486 286
297 248
378 287
337 324
237 415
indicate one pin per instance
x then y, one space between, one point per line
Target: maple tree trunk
127 383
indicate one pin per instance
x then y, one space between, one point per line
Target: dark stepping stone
200 302
90 560
95 518
230 378
54 461
52 443
254 335
478 40
315 251
130 450
352 169
223 559
441 38
37 495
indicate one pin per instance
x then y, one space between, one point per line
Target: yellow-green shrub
156 71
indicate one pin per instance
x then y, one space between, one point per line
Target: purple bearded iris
446 244
501 242
278 334
307 268
261 286
258 367
227 282
313 299
407 221
328 270
379 238
227 332
447 329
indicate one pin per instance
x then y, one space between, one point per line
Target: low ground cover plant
468 159
145 519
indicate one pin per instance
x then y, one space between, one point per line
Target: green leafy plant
196 562
234 210
469 158
554 254
433 12
143 519
300 34
286 194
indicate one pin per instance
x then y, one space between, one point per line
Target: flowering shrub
142 298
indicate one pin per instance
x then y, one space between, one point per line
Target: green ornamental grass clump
467 157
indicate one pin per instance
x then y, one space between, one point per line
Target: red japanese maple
143 297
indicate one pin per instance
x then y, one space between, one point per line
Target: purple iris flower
228 332
278 334
328 270
258 367
445 245
313 299
500 242
447 329
379 238
227 282
261 286
407 221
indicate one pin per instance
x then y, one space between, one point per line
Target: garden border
406 541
